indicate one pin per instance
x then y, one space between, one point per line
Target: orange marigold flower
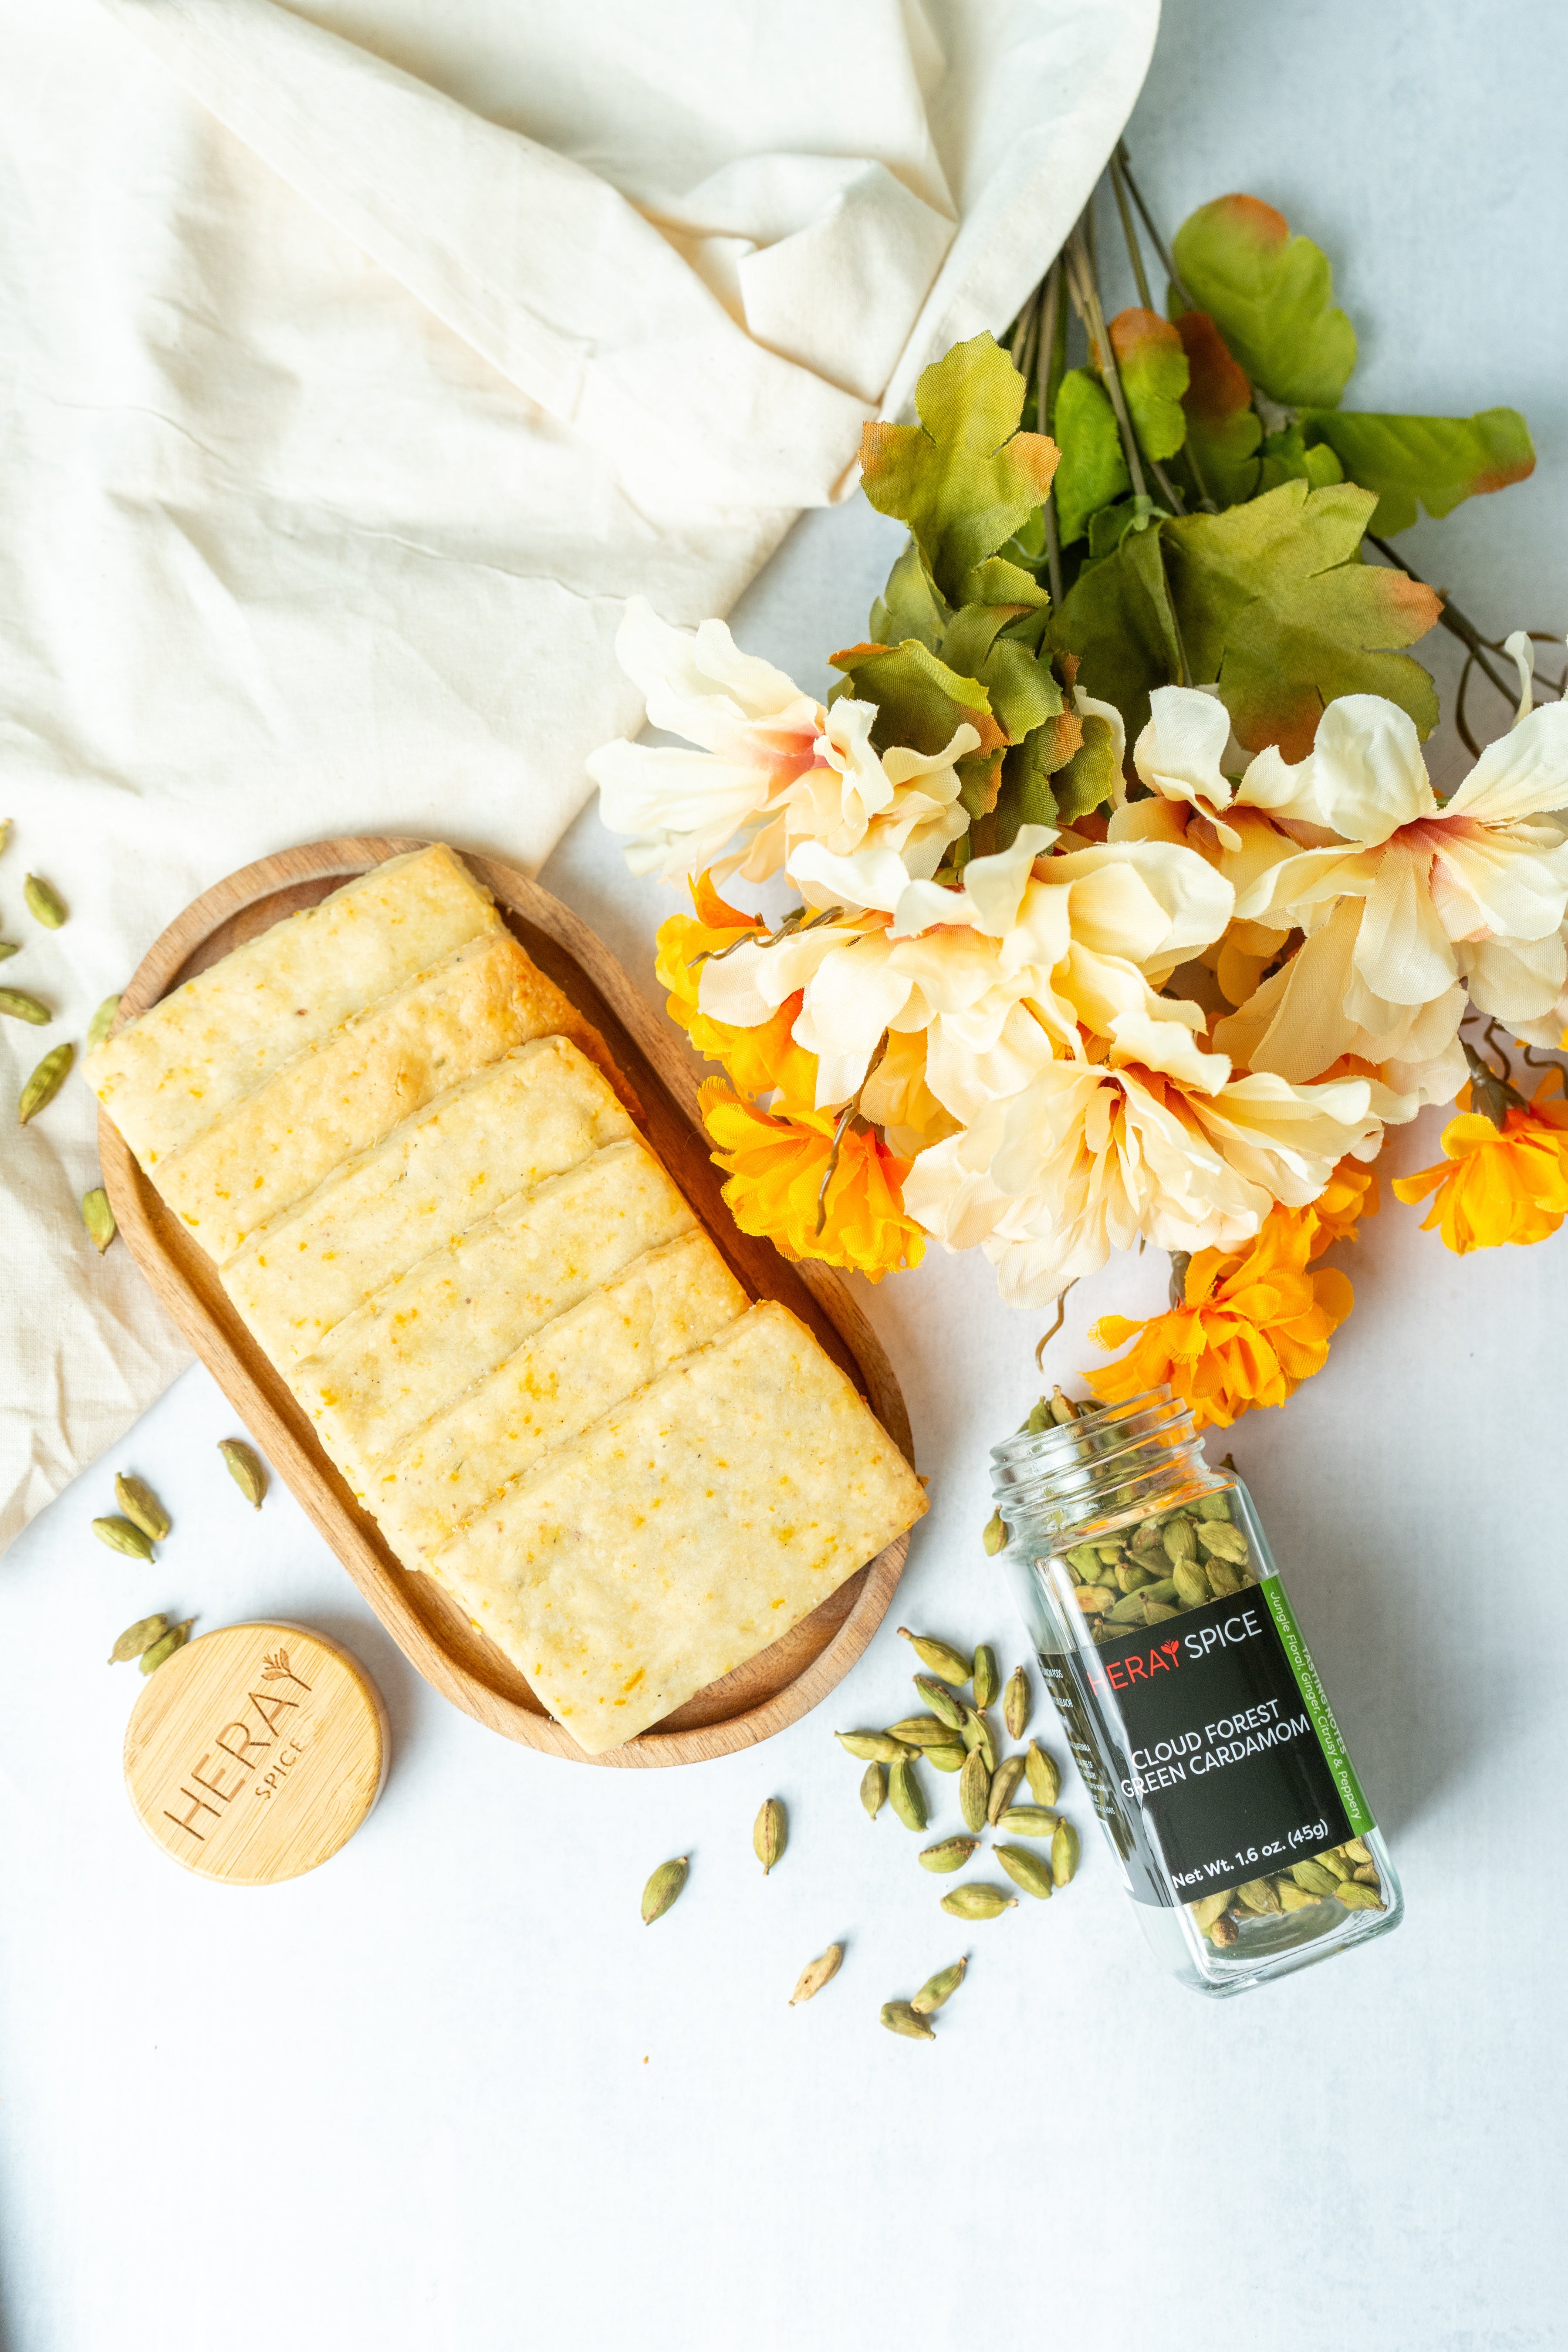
1254 1324
777 1167
1498 1185
1350 1194
761 1061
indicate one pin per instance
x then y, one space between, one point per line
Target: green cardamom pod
1039 1419
1356 1897
946 1759
994 1535
940 1657
986 1680
1063 1409
978 1735
769 1834
99 1218
905 1795
1017 1703
1213 1506
142 1506
873 1788
1158 1613
1223 1578
1004 1782
1333 1863
1179 1539
973 1790
45 1083
1094 1598
1314 1878
137 1638
1293 1898
922 1731
1225 1932
124 1536
245 1468
1357 1850
952 1853
663 1887
1028 1821
899 2017
1208 1907
1030 1871
1259 1896
1085 1558
820 1972
1064 1852
23 1007
1162 1590
938 1990
43 902
871 1746
1042 1774
1130 1578
98 1028
978 1901
947 1710
1222 1541
1192 1586
175 1639
1129 1610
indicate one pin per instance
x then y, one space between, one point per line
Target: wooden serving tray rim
584 968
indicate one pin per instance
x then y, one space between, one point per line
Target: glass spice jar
1188 1696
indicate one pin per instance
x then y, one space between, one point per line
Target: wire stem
1135 251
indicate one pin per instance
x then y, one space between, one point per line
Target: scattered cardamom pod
1030 1821
905 1795
941 1657
45 1083
986 1680
978 1901
769 1834
98 1028
124 1536
977 1734
1030 1871
946 1760
973 1790
994 1535
952 1853
1003 1783
137 1638
899 2017
872 1746
820 1972
1064 1852
142 1506
175 1639
922 1731
663 1887
99 1218
43 902
23 1007
1042 1774
938 1990
949 1711
873 1788
1017 1703
244 1467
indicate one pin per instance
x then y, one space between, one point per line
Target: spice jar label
1228 1762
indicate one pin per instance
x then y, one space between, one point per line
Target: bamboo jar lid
254 1753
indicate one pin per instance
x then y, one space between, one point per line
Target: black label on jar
1209 1745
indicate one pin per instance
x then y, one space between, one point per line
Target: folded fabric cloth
365 356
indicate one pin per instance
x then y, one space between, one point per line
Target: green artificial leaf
1093 471
1110 526
965 477
1223 427
1271 296
1153 369
997 582
997 644
919 700
1438 460
1092 775
1277 606
1117 618
910 605
1289 457
1027 544
1029 769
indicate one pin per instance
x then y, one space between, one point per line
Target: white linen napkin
364 356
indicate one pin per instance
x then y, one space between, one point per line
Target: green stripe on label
1330 1739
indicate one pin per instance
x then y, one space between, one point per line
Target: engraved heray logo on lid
255 1752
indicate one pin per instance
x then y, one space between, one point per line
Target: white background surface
446 2094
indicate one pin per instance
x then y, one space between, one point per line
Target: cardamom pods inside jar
1187 1694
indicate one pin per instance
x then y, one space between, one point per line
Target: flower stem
1124 163
1052 357
1135 251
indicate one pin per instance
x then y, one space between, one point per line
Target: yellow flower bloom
1254 1324
1350 1194
777 1167
1507 1184
760 1061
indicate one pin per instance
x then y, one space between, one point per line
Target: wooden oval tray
758 1698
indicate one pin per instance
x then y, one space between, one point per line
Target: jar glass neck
1118 1459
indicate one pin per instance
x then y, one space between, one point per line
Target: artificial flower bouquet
1127 910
